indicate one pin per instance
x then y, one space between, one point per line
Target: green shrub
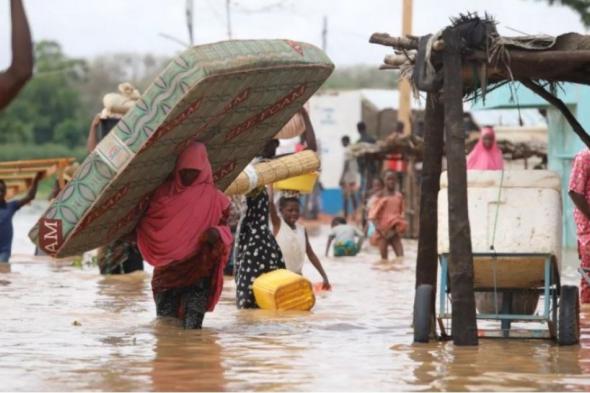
14 152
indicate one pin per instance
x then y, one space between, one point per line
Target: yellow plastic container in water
302 183
283 290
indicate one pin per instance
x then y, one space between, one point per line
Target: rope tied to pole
492 243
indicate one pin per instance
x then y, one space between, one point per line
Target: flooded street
68 328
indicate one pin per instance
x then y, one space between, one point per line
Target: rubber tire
568 326
422 316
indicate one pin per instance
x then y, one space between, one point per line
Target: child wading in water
292 238
348 239
387 214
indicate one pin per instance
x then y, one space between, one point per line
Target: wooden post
405 91
560 105
427 259
464 324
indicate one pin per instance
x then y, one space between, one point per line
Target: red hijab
482 158
178 215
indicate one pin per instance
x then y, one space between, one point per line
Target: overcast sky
89 27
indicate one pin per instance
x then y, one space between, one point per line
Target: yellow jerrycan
283 290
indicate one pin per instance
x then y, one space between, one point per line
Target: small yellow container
283 290
302 183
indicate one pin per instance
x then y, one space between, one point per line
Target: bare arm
361 239
32 191
344 170
309 131
21 69
91 142
274 214
330 239
315 261
581 203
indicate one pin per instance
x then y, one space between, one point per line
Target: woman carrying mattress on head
184 235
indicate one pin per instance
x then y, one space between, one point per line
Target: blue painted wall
332 201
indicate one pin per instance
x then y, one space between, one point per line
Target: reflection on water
65 328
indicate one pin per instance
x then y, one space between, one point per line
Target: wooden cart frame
511 273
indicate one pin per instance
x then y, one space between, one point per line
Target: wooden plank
16 176
63 161
44 161
509 272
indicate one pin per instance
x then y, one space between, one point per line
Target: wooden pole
464 324
560 105
427 260
394 42
405 90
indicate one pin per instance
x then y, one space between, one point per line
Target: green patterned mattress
233 96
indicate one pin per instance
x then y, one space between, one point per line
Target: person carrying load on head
116 105
349 178
122 255
579 192
7 210
292 238
184 235
256 250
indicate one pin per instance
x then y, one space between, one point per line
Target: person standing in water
387 214
579 192
349 178
292 238
7 210
184 235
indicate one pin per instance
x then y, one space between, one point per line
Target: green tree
48 99
70 133
582 7
361 77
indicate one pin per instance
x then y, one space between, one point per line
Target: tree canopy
582 7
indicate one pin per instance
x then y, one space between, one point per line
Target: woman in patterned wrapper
184 235
256 251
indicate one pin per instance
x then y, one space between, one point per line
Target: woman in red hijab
184 236
486 155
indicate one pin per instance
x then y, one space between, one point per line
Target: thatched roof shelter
465 60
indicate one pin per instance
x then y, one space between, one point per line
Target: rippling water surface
66 328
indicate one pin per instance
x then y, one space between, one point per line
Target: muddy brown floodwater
66 328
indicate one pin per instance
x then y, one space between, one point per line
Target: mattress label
114 152
50 235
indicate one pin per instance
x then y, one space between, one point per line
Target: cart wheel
568 332
422 316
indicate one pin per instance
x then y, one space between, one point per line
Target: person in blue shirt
7 210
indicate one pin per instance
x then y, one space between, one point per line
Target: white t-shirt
293 246
345 232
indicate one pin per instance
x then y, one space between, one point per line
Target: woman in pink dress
486 155
579 191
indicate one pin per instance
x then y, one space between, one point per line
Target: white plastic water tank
522 207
